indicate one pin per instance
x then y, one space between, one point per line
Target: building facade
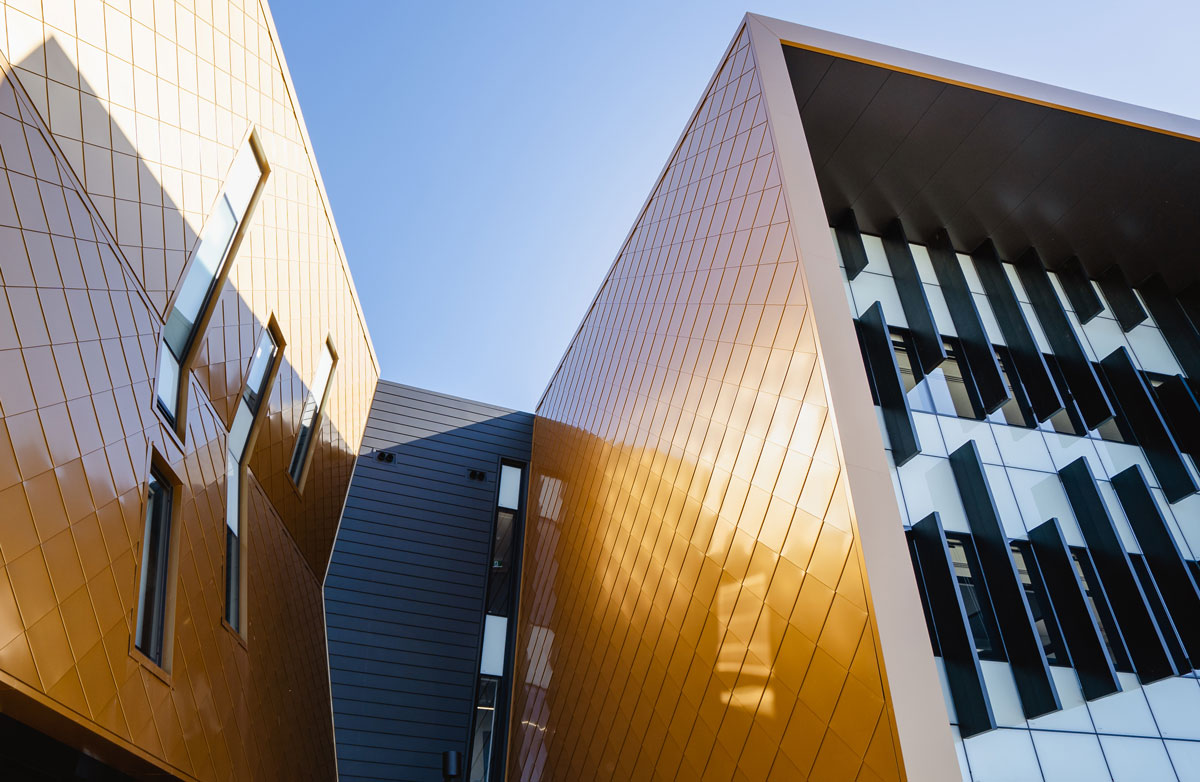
185 374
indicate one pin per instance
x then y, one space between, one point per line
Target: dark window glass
912 553
975 598
1114 429
1195 566
1068 420
500 581
1016 411
1109 632
910 372
310 413
1039 604
156 550
233 579
481 735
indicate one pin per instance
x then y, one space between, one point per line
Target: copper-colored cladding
116 133
693 603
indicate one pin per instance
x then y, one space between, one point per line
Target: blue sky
485 160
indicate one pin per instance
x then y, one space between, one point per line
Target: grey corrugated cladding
405 590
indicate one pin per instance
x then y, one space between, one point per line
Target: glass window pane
975 600
233 580
243 179
240 432
481 736
1039 605
194 292
256 379
168 383
233 491
152 590
308 416
510 486
1109 632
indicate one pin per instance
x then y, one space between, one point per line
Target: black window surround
156 588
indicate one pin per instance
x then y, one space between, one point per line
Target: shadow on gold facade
693 604
116 133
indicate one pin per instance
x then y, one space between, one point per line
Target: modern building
874 458
185 374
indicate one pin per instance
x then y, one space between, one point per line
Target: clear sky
486 160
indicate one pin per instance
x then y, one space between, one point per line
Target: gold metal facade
693 601
118 123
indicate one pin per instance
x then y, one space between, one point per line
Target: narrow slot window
198 289
156 554
249 404
310 416
1039 604
953 390
975 598
485 724
1109 632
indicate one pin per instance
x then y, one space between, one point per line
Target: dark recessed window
1110 633
1016 410
485 725
156 555
1039 604
975 598
916 563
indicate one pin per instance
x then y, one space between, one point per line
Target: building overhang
990 156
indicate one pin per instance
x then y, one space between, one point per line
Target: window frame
243 468
158 468
298 483
177 423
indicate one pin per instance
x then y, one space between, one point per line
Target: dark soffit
889 143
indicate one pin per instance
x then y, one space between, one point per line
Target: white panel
1066 448
1186 757
1002 694
1187 520
941 313
1023 448
1006 504
930 434
1126 713
869 288
1152 351
876 257
510 487
1040 496
1118 457
1175 703
924 265
1070 757
1035 326
968 268
1018 288
1104 335
929 486
964 768
495 636
1073 715
850 296
1118 516
956 431
1059 292
1003 755
990 326
1137 760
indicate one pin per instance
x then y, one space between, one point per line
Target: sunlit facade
170 482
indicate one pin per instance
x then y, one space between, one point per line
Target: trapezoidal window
310 416
206 270
154 590
258 383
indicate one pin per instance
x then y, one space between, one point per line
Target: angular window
1039 603
919 398
1016 410
210 260
975 598
258 382
952 386
1109 632
310 416
153 590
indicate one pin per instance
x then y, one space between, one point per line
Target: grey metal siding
405 589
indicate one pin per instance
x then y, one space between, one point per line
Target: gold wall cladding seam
145 106
692 604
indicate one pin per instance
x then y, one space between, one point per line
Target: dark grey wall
405 589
